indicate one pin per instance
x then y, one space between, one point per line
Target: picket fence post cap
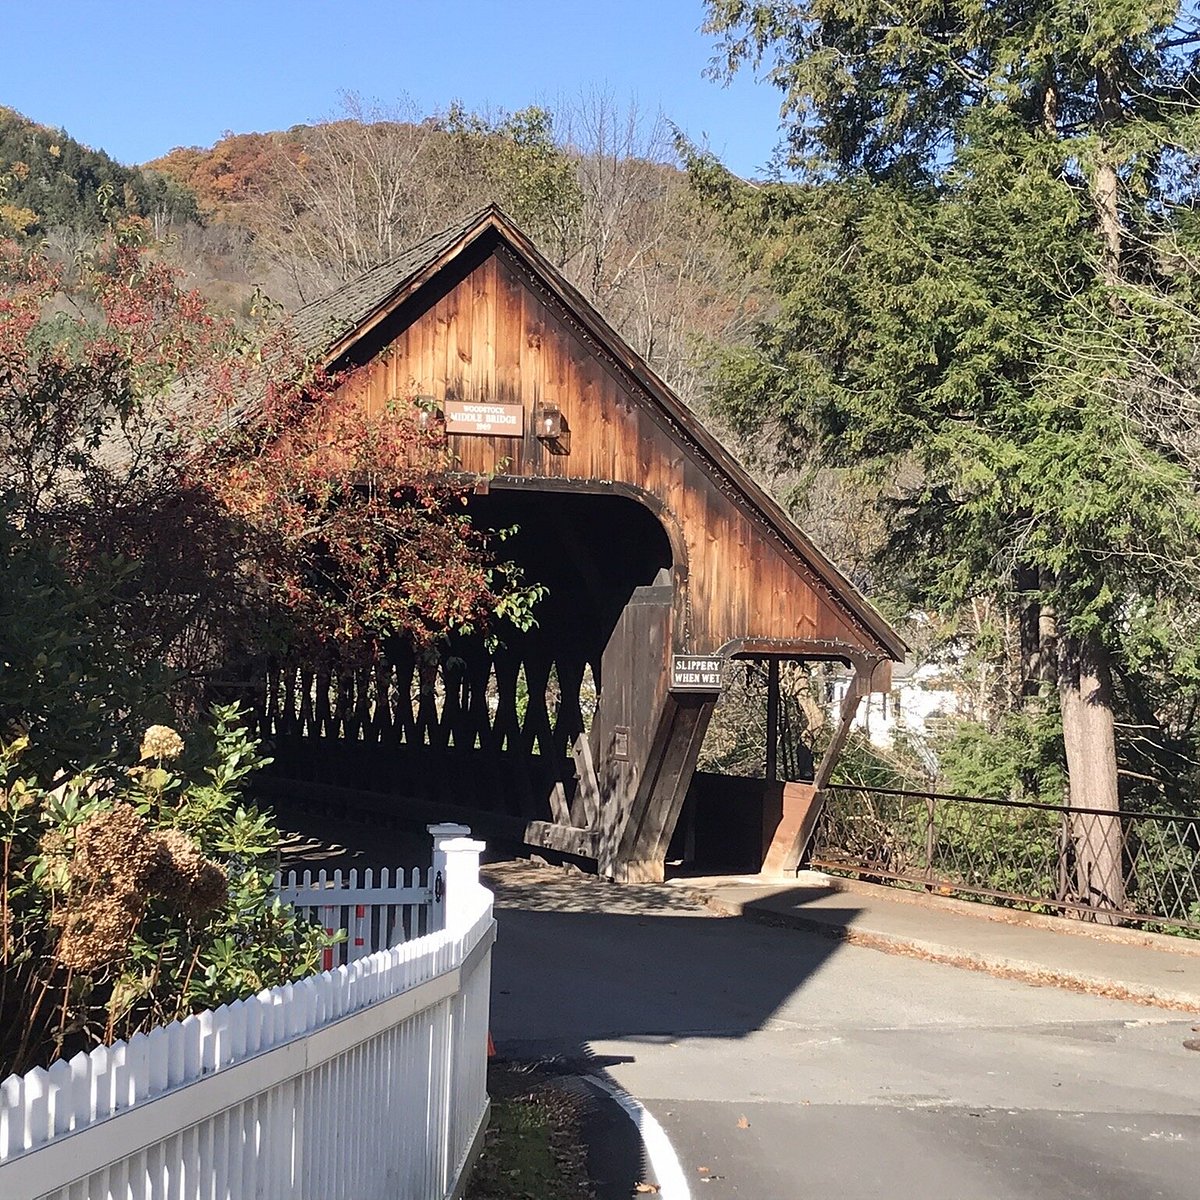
464 843
448 829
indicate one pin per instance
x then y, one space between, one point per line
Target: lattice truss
520 698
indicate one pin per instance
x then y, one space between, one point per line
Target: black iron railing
1112 868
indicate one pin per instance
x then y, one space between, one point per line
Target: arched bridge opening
528 738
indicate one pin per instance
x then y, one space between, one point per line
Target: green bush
127 901
72 682
1021 759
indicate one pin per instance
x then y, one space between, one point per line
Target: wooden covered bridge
662 559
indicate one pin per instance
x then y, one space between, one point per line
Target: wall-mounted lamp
430 418
547 422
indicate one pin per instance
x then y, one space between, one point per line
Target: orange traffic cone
491 1046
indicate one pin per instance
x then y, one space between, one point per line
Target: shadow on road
580 961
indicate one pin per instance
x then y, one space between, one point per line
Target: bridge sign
496 420
692 673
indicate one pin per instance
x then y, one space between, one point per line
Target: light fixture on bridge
430 418
547 422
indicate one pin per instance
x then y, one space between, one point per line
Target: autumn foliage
230 175
254 509
182 497
362 538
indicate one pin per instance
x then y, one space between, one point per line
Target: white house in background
918 699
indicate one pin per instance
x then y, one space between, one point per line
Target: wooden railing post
462 882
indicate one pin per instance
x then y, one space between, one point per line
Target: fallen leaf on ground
743 1123
704 1170
646 1187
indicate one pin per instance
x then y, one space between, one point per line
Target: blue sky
138 78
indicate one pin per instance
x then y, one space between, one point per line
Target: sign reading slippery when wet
494 420
692 673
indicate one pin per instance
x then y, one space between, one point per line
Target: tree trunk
1105 181
1085 698
1038 636
1038 653
1029 609
1104 195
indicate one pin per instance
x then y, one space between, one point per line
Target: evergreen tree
48 179
984 270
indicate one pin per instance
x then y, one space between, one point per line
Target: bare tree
641 249
599 187
345 194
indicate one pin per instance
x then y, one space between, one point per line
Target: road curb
660 1154
1001 914
580 1077
1003 967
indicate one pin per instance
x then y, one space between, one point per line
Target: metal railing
1110 868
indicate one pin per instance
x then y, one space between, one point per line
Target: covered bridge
662 558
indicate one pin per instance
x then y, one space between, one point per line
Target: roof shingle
321 323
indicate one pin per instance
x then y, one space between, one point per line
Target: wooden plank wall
493 334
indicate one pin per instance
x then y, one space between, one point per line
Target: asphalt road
785 1066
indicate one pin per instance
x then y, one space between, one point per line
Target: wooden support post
772 720
640 849
628 727
585 811
800 817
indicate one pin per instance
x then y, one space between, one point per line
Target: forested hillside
48 180
599 188
295 212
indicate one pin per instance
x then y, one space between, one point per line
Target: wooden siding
488 329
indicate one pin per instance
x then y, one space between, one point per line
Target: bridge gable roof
336 325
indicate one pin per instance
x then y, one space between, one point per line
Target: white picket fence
375 913
366 1081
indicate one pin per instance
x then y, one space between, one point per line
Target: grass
532 1148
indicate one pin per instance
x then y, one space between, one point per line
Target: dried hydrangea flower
118 867
113 855
97 932
183 876
161 741
114 849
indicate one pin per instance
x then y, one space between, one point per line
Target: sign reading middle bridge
493 420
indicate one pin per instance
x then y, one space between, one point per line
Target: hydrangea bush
128 900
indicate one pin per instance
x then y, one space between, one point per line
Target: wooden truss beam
802 806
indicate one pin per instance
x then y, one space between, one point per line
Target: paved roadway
788 1067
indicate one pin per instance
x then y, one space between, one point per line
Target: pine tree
984 270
